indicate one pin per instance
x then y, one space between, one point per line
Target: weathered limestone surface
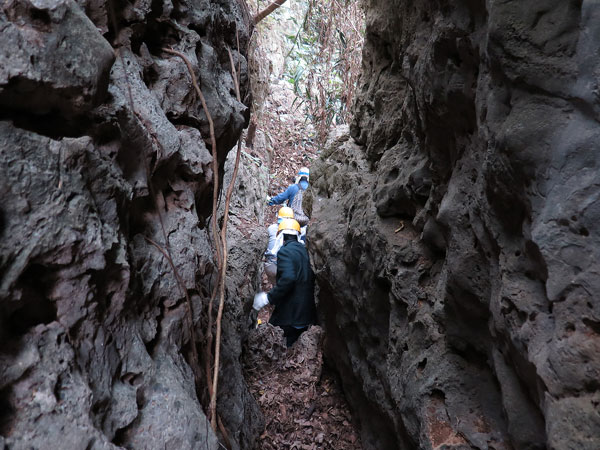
94 330
456 238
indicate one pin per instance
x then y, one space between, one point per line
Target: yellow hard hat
285 213
289 226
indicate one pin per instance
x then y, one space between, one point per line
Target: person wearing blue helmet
289 194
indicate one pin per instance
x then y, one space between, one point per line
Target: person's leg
292 334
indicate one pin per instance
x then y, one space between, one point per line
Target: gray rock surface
97 154
455 235
57 58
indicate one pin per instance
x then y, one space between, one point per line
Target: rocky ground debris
301 399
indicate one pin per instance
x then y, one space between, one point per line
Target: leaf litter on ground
302 400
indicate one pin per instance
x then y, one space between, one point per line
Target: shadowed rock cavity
454 240
99 152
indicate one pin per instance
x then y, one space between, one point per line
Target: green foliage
323 62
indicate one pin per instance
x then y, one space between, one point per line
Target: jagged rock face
455 238
97 155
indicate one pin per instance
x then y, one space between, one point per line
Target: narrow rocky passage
300 397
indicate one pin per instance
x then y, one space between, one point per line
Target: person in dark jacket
293 294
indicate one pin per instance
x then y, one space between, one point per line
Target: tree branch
268 10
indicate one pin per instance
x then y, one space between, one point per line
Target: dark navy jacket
293 294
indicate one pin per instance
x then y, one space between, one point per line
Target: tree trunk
268 10
251 133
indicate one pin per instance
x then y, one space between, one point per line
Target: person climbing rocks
293 293
301 183
275 243
294 194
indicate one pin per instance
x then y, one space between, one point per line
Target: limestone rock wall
455 234
94 330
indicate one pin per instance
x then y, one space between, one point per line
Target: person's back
296 206
288 195
293 294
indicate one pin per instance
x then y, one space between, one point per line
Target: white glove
260 301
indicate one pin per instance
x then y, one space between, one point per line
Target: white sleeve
272 239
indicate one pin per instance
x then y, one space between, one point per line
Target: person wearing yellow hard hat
275 243
294 195
293 293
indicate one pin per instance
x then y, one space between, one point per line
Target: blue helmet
304 173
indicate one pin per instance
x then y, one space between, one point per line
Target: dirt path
301 400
